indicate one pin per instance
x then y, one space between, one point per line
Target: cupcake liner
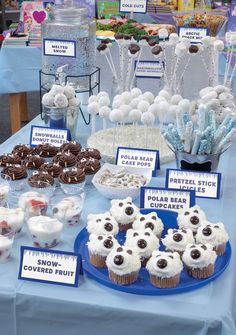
165 282
126 226
125 279
220 249
201 273
97 260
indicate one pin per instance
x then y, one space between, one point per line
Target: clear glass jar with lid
69 38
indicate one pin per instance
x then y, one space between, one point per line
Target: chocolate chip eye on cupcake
46 150
41 179
65 159
9 159
33 162
73 147
17 174
87 153
72 180
90 167
22 150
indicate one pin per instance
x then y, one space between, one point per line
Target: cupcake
150 220
123 265
17 174
103 224
99 246
125 212
65 159
5 248
90 167
177 239
33 203
40 179
54 169
144 242
33 162
214 234
22 150
46 150
7 159
88 153
11 220
199 260
45 231
68 210
72 180
191 218
73 147
164 269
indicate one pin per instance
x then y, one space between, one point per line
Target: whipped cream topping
164 264
144 242
123 260
12 217
177 239
102 244
44 224
67 208
124 210
191 218
103 223
199 255
213 233
150 220
5 243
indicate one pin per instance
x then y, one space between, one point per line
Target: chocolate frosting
152 43
89 165
144 38
106 41
33 162
46 150
9 159
72 176
54 169
193 49
156 50
65 159
101 47
15 172
22 150
119 36
73 147
134 48
86 153
39 178
127 37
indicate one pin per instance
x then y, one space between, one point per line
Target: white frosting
174 264
28 202
13 217
5 248
150 220
131 262
208 255
171 244
4 190
186 215
119 209
218 234
97 224
67 208
96 244
133 237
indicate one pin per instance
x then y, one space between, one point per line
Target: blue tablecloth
36 308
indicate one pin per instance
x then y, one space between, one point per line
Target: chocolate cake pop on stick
108 43
180 51
93 109
133 52
121 44
103 49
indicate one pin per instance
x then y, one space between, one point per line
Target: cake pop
143 106
93 109
104 101
135 92
104 113
149 97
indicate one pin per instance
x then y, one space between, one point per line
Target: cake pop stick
196 143
135 116
180 51
148 120
142 43
120 41
133 52
103 49
93 109
116 116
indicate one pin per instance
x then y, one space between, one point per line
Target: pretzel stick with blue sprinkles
177 141
226 139
219 135
196 143
188 136
180 124
202 147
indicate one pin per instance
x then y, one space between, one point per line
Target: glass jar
69 38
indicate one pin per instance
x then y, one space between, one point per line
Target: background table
92 309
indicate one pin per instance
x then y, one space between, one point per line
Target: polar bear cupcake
99 247
144 242
150 220
68 210
191 218
177 239
125 212
199 260
164 269
215 234
123 265
103 223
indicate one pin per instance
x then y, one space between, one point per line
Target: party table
27 307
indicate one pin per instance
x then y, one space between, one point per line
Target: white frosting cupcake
103 223
33 203
11 219
5 248
199 260
177 239
191 218
150 220
124 211
144 242
215 234
123 265
68 210
45 231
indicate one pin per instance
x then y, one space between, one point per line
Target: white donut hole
185 105
143 106
135 92
213 104
69 91
158 99
149 97
163 107
206 90
57 89
209 96
127 97
93 98
48 100
154 109
117 97
221 89
93 108
60 100
74 102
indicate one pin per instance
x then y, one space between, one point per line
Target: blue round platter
143 285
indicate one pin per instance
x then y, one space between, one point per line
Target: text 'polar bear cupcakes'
99 247
164 269
123 265
150 220
103 223
191 218
177 240
124 211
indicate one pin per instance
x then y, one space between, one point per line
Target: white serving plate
120 193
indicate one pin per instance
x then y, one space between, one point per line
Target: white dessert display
150 220
68 210
45 231
191 218
124 211
11 220
5 248
33 203
103 223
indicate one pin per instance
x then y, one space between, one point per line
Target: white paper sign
205 184
42 135
159 198
193 34
59 48
135 6
49 266
148 69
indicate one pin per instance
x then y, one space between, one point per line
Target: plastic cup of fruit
44 188
11 220
6 242
16 184
4 190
